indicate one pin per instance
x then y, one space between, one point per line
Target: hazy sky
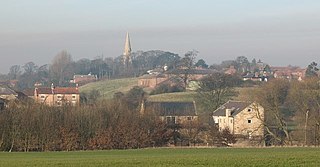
280 32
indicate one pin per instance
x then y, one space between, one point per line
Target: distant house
84 79
7 93
151 80
29 92
231 70
194 74
174 112
255 77
57 96
241 118
289 73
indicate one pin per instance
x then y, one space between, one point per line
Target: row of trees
108 124
62 68
292 111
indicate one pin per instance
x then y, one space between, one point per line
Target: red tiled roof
58 90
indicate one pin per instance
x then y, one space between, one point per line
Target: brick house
151 80
57 96
289 72
243 119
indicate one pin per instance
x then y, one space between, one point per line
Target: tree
272 96
186 66
15 72
215 90
201 63
61 69
29 77
135 97
227 137
30 68
242 64
312 70
304 100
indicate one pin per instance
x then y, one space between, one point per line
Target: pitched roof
58 90
235 107
151 76
173 108
6 91
28 92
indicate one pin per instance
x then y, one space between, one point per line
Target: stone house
7 93
57 96
84 79
243 119
174 112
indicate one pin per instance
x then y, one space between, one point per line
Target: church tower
127 51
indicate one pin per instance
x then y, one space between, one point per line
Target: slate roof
173 108
235 106
28 92
6 91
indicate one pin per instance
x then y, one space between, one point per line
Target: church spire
127 50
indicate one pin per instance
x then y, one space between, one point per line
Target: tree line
107 124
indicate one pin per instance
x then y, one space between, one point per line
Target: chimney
36 92
77 86
52 88
228 112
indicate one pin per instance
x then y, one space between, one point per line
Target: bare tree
61 68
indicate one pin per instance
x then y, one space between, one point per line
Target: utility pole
305 127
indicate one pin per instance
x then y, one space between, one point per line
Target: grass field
108 87
176 97
169 157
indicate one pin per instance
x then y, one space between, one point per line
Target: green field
169 157
108 87
176 97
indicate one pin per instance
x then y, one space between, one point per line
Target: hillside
176 97
108 87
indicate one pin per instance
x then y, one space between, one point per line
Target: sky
279 32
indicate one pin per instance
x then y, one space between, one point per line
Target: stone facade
242 118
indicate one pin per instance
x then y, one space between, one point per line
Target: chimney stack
228 112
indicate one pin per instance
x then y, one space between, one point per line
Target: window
171 120
230 120
73 97
249 109
249 121
42 97
59 97
189 118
